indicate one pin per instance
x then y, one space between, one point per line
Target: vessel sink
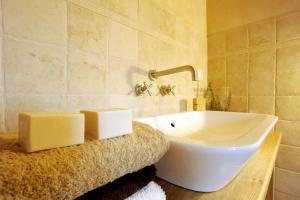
209 148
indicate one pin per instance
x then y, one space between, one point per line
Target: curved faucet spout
153 74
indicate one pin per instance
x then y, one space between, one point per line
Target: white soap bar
103 124
40 131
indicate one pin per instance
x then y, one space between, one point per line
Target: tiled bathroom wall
260 61
67 55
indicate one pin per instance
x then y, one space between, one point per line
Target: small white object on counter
104 124
40 131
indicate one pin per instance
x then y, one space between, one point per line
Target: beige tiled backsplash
260 61
67 55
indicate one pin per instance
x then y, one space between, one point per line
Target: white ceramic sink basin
208 148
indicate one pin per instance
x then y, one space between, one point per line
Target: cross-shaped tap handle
147 88
173 90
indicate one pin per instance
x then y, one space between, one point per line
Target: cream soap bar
40 131
103 124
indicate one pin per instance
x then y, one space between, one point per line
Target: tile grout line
36 42
108 61
225 57
65 99
276 73
4 102
290 146
248 67
289 194
287 170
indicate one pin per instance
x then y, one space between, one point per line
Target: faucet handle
140 89
170 89
147 87
167 90
173 90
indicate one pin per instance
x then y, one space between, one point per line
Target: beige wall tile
288 58
262 73
192 10
288 83
20 103
203 62
148 106
238 104
287 28
1 66
237 39
262 104
288 158
167 55
1 17
288 43
148 51
216 44
182 55
199 10
123 101
34 68
43 21
123 41
262 33
182 31
169 5
284 196
287 181
288 107
203 51
87 30
290 132
198 55
2 113
75 103
183 9
217 72
197 47
169 104
127 8
183 85
87 73
237 74
263 47
167 24
149 15
123 75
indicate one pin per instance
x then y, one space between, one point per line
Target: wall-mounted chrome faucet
153 74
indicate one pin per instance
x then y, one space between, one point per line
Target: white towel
152 191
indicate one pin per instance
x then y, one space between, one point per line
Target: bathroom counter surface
254 182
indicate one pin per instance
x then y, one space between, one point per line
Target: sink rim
265 126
